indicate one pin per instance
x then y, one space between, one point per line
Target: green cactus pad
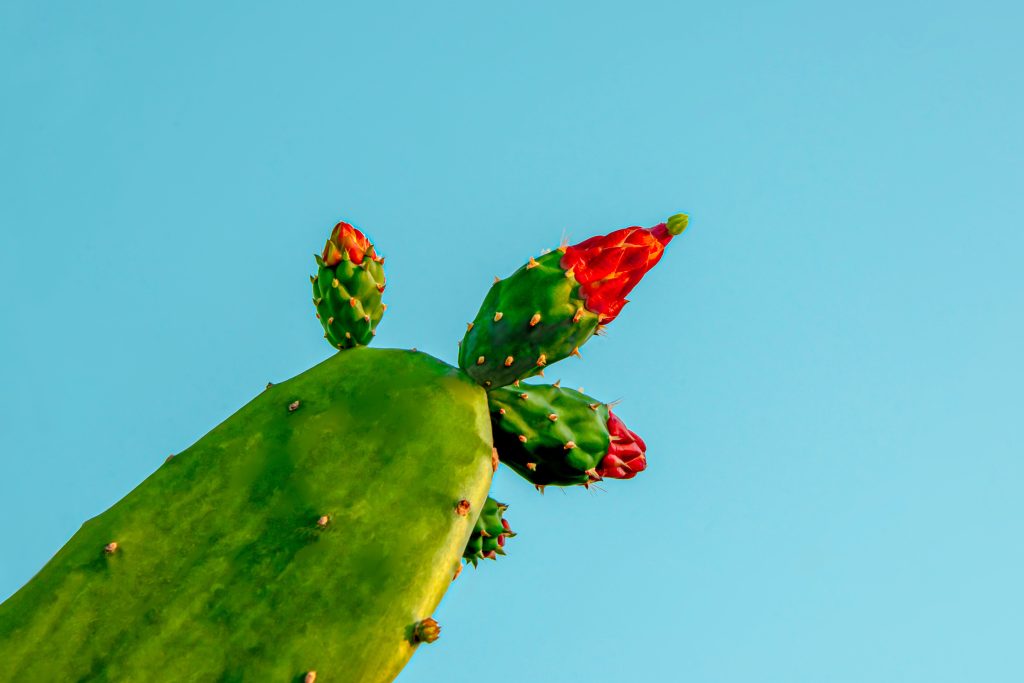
487 539
348 303
548 434
311 531
531 319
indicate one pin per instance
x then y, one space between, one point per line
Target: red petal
625 456
347 237
609 266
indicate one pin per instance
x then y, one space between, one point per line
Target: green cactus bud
488 538
426 631
347 288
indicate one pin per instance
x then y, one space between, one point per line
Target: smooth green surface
527 411
541 289
222 573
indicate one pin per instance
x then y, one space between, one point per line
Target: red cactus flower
609 266
346 237
626 452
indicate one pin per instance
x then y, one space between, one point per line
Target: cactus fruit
552 435
316 529
627 452
489 533
528 320
552 305
347 288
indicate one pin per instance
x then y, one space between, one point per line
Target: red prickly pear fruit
609 266
626 451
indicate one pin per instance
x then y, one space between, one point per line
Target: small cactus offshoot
426 631
347 288
489 533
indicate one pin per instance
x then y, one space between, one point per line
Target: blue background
826 365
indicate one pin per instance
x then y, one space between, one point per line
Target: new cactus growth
426 631
313 533
347 288
489 533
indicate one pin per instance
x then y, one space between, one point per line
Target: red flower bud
346 237
626 452
609 266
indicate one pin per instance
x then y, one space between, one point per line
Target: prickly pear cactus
312 534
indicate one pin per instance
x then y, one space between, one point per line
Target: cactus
552 435
347 288
489 533
313 533
256 554
552 305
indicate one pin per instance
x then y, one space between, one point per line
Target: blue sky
826 366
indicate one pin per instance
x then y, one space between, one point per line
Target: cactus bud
426 631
